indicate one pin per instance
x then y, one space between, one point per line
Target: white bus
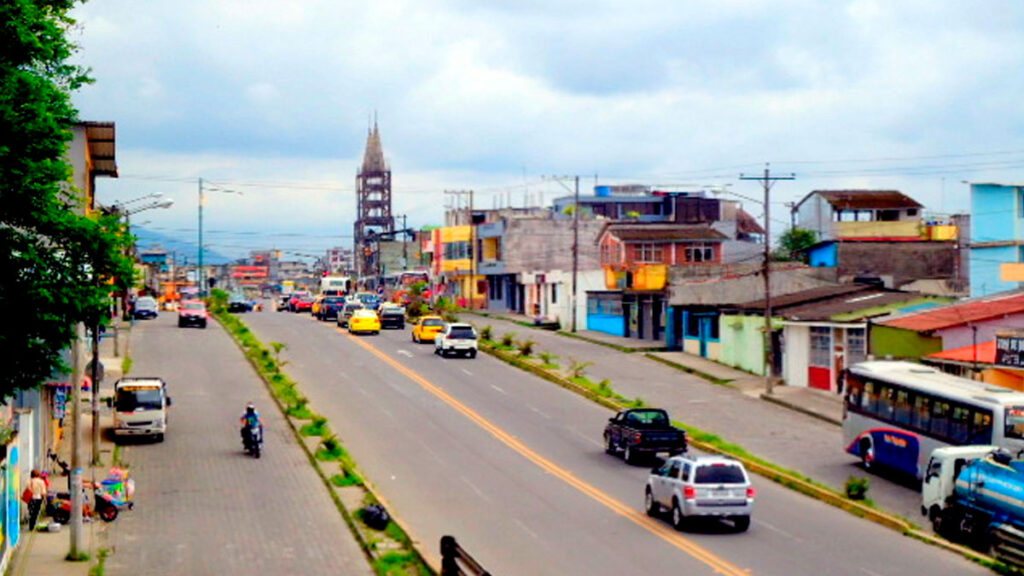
140 407
335 285
896 413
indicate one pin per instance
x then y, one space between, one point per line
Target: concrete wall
995 217
903 262
796 355
744 288
960 336
742 342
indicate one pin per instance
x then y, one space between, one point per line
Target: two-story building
636 258
882 234
997 238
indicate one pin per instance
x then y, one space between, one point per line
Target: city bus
895 413
335 285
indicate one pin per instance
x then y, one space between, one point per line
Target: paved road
513 466
202 506
780 435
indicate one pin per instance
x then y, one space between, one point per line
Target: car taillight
689 493
751 493
637 437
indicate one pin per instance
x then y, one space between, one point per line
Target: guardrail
452 555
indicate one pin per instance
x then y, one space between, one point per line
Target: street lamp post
200 278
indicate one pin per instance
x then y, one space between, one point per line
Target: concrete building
996 238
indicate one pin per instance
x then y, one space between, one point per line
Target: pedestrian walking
37 487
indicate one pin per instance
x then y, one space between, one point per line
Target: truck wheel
937 517
650 506
159 437
472 353
678 518
630 456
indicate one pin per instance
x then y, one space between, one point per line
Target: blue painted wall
996 216
607 323
824 256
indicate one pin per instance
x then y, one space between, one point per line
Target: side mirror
169 401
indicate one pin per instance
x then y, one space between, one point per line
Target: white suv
702 486
457 339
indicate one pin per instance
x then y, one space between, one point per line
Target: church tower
373 206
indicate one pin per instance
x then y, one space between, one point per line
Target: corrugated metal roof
662 232
806 296
828 302
985 354
961 313
867 199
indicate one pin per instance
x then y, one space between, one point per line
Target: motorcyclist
250 419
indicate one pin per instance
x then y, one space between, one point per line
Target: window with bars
856 346
821 346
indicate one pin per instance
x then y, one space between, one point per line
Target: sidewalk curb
690 370
797 408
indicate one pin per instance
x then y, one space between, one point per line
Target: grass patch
80 557
300 411
99 569
346 478
400 564
330 450
126 365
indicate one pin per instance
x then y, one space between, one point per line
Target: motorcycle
252 439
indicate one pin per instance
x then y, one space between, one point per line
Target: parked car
364 321
701 486
294 298
456 338
346 313
426 329
640 432
392 315
145 307
192 313
329 308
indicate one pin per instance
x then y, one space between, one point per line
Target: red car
294 300
192 313
303 304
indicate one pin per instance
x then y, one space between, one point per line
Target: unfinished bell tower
373 206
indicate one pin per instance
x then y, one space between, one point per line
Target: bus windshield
1014 424
132 398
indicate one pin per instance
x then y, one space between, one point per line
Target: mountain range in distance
185 252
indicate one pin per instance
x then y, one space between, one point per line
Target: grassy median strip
390 551
574 378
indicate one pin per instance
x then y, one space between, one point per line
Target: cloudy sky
273 99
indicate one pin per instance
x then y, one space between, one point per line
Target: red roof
986 353
960 314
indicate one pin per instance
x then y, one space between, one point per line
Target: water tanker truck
975 494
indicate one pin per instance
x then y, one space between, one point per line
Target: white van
140 407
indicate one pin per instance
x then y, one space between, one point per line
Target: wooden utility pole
767 180
575 247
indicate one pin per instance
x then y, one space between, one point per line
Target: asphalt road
780 435
202 506
513 467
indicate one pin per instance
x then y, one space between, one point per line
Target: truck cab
939 483
140 407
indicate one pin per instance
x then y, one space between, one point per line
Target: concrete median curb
309 447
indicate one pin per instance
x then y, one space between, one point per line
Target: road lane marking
498 388
537 411
779 530
525 529
659 529
405 353
466 372
478 491
585 437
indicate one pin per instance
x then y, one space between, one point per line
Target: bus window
940 419
854 391
960 424
1014 425
981 427
921 418
886 402
903 409
870 397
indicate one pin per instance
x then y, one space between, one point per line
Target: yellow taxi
364 320
317 303
427 328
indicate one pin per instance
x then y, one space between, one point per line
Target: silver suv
456 339
701 486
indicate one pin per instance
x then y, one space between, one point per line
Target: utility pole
457 195
75 483
200 280
405 244
767 180
575 248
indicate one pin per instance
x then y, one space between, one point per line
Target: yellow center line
718 563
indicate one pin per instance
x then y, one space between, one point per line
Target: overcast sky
274 99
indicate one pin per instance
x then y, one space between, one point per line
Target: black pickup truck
641 432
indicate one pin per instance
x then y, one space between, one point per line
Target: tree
792 242
56 261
